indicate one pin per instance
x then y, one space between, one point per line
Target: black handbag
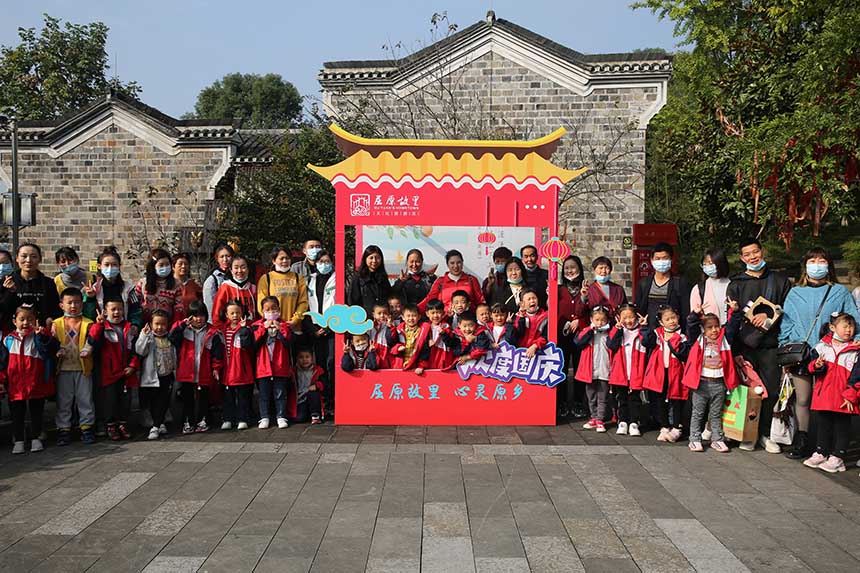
796 353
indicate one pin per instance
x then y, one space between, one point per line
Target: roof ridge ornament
491 17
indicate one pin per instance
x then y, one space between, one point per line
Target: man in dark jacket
536 277
752 342
662 288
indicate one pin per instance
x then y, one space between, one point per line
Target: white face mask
281 269
360 347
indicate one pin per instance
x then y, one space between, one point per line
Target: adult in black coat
370 285
662 288
414 282
32 287
536 277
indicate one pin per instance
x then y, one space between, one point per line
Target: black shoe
64 438
799 447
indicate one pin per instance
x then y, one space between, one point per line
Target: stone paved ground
409 498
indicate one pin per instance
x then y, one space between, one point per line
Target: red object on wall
648 235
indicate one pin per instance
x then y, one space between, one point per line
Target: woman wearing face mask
414 283
709 296
320 298
289 288
32 287
109 284
570 392
452 281
7 292
223 256
601 292
158 288
817 283
509 294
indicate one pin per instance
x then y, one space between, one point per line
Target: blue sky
175 48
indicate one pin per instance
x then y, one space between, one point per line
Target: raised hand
100 318
643 320
432 270
8 283
147 329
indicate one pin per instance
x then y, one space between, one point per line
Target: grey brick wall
497 98
84 196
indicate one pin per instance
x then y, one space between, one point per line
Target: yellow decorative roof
427 165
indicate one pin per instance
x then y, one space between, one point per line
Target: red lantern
555 250
487 238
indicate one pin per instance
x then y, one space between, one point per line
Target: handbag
784 423
794 353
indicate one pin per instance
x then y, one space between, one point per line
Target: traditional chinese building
497 80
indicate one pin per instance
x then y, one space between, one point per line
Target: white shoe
36 445
153 433
162 430
242 426
282 423
264 424
622 429
769 445
747 446
227 426
633 430
18 448
706 434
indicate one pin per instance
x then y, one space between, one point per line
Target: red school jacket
239 359
476 349
837 380
211 357
229 291
618 364
26 364
421 353
693 367
278 364
293 391
445 287
114 347
655 372
585 341
531 329
382 337
441 354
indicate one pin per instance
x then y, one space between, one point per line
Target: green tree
762 125
264 102
59 69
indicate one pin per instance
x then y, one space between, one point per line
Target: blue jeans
265 387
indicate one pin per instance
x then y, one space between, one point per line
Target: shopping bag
741 413
784 423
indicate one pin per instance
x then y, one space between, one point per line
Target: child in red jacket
412 350
709 372
304 398
530 325
594 363
238 288
272 336
500 329
26 372
627 368
441 353
835 363
664 373
112 339
238 368
382 335
199 357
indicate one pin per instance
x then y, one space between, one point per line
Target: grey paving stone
570 498
609 565
766 560
236 553
169 518
131 554
298 537
656 553
269 564
834 527
443 519
395 538
595 538
502 565
342 554
363 488
161 564
352 519
551 554
538 519
763 512
103 535
443 481
376 565
66 563
446 554
816 551
496 537
699 545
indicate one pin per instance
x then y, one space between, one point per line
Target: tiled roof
257 145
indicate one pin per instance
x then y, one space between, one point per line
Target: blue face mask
710 270
324 268
515 281
500 268
110 273
163 272
601 279
313 253
662 266
817 271
5 269
603 328
755 268
71 269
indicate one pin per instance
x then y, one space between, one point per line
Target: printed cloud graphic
342 318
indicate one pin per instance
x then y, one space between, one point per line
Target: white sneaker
153 433
264 424
590 425
227 426
747 446
282 423
242 426
769 445
36 445
18 448
633 430
162 430
622 429
706 434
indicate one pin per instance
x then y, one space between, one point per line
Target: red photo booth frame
483 184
